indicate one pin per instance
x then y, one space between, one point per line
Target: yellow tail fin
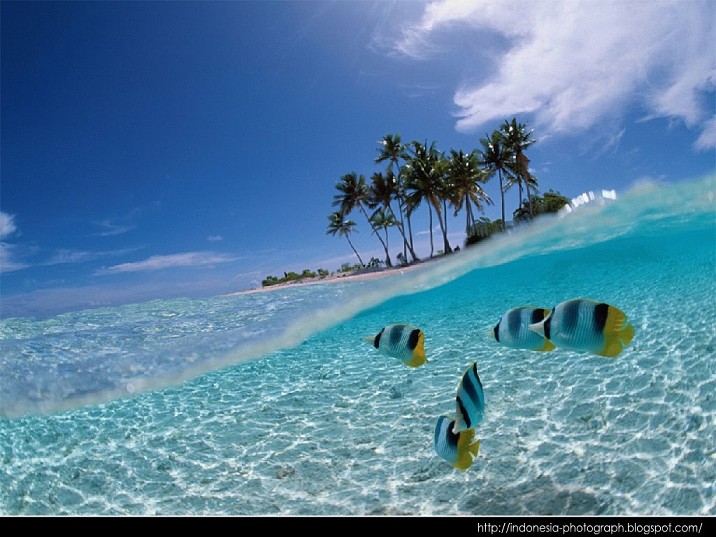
616 334
417 360
466 457
616 319
612 346
627 334
418 357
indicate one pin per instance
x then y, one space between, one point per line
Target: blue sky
166 149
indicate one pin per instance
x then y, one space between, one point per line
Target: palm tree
391 149
512 180
518 139
381 193
445 192
337 223
496 156
412 202
465 177
354 193
382 219
424 182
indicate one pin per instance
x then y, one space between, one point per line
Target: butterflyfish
401 341
457 449
586 325
512 331
470 400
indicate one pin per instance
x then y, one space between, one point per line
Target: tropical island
418 173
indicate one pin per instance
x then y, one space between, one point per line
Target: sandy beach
361 275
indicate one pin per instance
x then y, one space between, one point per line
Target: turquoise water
271 403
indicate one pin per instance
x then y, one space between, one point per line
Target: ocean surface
272 403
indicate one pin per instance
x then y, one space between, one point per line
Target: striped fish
512 329
401 341
470 401
457 449
586 325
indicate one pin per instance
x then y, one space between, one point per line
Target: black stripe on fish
547 324
601 311
497 331
413 339
395 334
464 413
376 342
474 368
469 385
514 319
537 315
451 437
570 314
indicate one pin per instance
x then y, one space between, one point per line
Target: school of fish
580 324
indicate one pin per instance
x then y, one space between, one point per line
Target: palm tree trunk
410 233
443 228
355 251
405 241
519 184
523 169
399 197
502 198
430 222
529 198
401 225
387 255
448 248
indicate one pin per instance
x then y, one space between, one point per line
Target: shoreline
356 276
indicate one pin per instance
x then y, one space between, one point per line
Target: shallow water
271 403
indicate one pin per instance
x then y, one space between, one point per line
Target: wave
97 356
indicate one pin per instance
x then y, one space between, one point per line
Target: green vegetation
347 268
482 229
551 202
293 276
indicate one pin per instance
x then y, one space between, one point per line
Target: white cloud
64 256
110 228
575 65
8 262
707 139
214 238
157 262
7 224
436 229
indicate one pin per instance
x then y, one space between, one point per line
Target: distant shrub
292 277
551 202
347 267
270 280
482 229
